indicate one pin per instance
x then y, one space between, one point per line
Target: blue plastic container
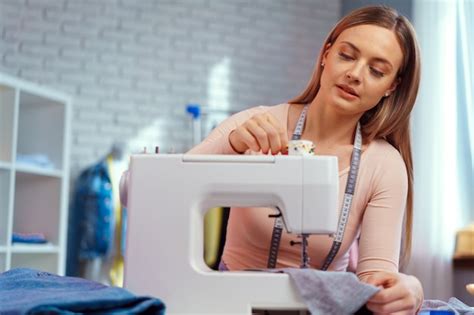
436 312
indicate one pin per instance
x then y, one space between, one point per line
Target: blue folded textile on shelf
29 238
39 160
30 291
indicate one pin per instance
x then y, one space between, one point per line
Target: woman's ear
394 85
325 53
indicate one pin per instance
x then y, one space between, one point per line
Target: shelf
34 248
37 205
40 121
40 261
4 205
35 170
3 262
464 262
7 118
5 165
34 173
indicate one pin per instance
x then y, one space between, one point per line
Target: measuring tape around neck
346 205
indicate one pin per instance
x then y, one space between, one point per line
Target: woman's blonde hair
390 118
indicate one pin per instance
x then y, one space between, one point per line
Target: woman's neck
327 127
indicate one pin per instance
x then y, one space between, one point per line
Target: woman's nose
354 73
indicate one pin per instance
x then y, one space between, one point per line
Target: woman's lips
345 94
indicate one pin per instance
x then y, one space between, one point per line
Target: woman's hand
400 293
261 132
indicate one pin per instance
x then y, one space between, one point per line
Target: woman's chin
346 108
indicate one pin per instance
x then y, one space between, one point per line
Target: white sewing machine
167 198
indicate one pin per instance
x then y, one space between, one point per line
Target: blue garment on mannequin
93 204
91 219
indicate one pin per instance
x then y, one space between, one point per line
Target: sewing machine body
167 198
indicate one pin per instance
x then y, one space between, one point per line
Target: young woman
357 103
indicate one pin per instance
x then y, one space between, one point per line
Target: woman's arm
382 220
216 143
218 140
380 236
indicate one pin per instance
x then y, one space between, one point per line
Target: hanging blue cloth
94 209
30 291
91 228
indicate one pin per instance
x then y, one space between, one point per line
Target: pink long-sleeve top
376 216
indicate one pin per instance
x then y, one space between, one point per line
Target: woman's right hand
400 294
262 132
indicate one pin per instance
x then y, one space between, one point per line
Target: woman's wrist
418 292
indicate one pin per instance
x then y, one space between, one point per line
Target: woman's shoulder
384 167
278 110
381 146
382 154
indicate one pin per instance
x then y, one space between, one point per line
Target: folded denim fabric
30 291
29 238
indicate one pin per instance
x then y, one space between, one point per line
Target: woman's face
360 67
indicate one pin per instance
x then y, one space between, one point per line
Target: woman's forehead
375 41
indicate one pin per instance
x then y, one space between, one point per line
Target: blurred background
132 68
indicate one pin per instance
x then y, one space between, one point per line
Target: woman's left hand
399 294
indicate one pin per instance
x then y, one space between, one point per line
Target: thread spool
300 147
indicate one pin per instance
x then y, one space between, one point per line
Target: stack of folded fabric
29 291
29 238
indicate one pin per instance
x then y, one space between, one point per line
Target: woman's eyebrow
379 59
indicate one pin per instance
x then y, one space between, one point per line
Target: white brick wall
131 66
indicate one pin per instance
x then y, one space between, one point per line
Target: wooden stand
463 269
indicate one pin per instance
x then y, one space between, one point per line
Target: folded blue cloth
29 238
454 306
29 291
39 160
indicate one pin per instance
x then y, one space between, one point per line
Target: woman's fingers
281 131
402 303
391 290
272 133
387 295
262 132
398 294
382 278
249 140
396 307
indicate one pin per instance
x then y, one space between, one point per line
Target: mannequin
103 220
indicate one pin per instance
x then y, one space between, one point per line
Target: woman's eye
376 72
345 57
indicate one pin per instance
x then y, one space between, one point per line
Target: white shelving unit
33 199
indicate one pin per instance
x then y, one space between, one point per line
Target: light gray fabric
331 292
453 304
